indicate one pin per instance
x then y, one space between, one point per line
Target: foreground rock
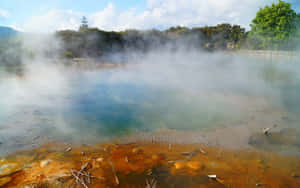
8 169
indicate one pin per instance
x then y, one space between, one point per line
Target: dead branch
78 179
82 176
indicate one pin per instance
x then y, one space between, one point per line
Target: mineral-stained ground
147 164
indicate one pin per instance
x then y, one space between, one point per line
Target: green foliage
238 35
296 37
177 30
273 26
84 24
93 42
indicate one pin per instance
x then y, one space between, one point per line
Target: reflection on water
96 106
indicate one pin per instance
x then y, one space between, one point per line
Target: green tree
84 23
237 35
273 26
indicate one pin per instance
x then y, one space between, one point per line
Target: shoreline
140 163
244 134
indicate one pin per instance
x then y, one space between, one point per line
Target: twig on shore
78 179
83 177
68 149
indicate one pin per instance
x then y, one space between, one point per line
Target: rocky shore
146 164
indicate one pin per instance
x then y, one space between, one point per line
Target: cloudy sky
51 15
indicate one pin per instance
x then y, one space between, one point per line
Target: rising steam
183 89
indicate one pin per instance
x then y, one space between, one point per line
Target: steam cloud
163 89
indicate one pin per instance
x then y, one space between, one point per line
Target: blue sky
21 11
124 14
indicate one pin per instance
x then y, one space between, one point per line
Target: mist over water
161 90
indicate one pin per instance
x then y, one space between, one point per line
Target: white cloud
54 20
107 18
4 13
158 14
166 13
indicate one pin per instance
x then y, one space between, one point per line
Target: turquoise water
115 109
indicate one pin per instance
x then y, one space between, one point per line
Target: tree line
275 27
94 42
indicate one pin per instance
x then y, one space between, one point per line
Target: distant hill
7 32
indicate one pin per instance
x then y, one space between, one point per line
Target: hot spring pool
100 105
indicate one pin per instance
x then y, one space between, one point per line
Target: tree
84 23
237 34
273 26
